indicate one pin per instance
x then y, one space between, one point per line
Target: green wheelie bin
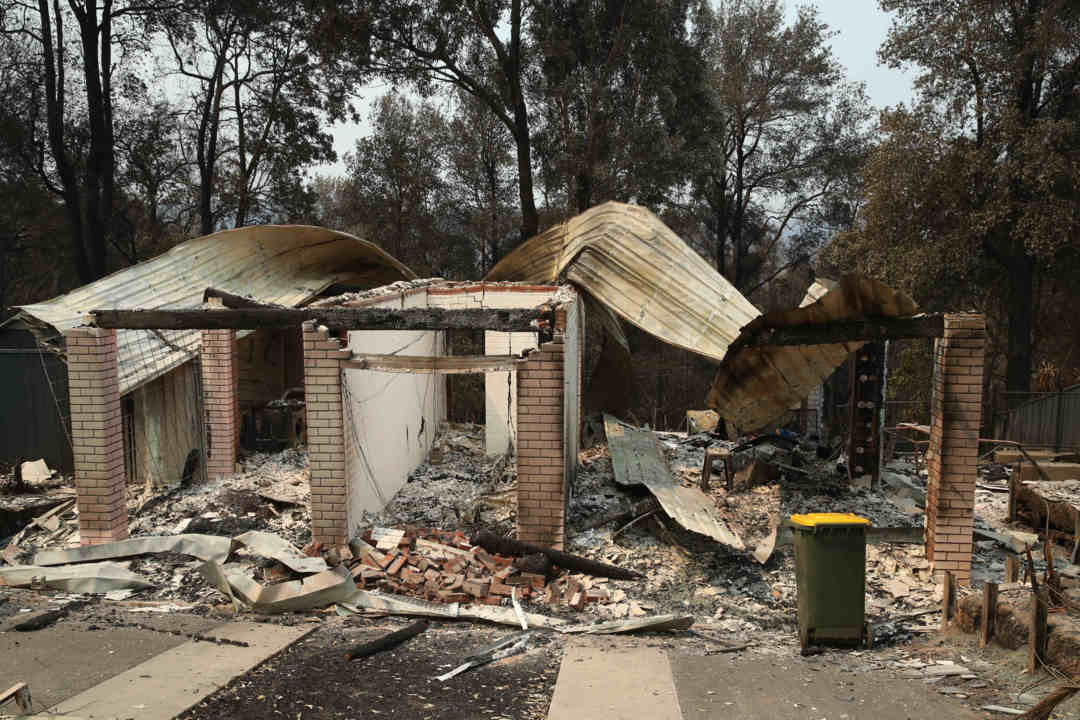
830 576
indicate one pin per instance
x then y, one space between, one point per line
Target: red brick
476 588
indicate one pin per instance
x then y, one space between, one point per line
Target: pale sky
860 28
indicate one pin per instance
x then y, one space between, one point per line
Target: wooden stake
989 613
947 596
706 471
1037 632
1013 480
20 692
1012 568
1075 559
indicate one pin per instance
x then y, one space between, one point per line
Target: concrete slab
170 683
55 661
612 678
754 687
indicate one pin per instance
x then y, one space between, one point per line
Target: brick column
97 434
955 410
541 509
219 400
326 436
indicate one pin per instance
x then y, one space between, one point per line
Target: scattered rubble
239 539
456 486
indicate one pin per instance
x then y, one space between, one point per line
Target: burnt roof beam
866 330
335 318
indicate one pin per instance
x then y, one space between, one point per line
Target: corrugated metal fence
34 402
1050 420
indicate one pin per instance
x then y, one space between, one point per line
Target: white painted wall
390 418
500 391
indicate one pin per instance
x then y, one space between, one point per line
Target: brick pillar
97 434
541 510
955 410
326 436
219 400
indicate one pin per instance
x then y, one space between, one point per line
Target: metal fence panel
34 402
1050 420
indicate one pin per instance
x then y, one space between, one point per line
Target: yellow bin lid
819 519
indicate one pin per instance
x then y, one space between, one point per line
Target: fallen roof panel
638 459
756 385
281 264
626 259
632 263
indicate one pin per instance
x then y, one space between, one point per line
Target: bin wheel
805 637
868 635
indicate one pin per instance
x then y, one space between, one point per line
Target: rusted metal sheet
756 385
628 260
281 264
638 459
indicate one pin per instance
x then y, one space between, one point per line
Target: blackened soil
312 680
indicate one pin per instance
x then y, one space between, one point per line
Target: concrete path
74 655
756 687
617 679
613 678
170 683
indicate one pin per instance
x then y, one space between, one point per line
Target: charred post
575 563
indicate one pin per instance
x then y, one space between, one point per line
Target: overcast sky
860 29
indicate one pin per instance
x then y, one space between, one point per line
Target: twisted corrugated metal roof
756 385
633 263
283 264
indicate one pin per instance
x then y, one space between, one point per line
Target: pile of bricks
442 566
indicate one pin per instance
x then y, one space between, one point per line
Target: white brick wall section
500 390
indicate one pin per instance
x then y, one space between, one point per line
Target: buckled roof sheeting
631 262
283 264
756 385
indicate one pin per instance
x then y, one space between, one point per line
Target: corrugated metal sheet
638 459
756 385
283 264
624 257
629 261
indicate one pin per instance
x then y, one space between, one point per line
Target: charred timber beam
386 642
575 563
919 326
232 301
517 320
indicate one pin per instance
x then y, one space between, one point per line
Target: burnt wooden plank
867 330
989 613
335 318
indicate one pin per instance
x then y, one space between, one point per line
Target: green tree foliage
973 195
781 140
476 46
396 185
75 69
480 180
617 84
435 191
259 101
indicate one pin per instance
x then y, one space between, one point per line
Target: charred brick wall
323 355
97 434
219 378
541 511
955 412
